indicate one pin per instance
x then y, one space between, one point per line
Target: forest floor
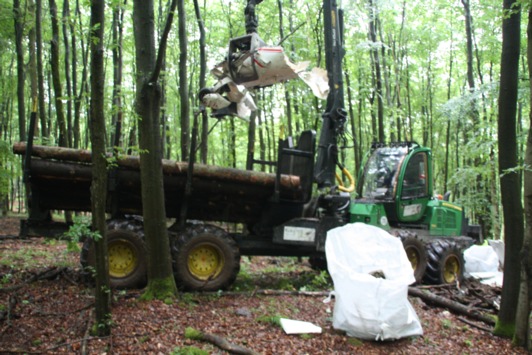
45 308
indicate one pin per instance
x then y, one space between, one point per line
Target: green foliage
355 342
446 323
7 164
320 281
273 320
6 278
194 334
504 330
160 289
81 228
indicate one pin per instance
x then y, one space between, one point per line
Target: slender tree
17 14
204 144
161 283
99 169
183 80
40 70
508 161
56 76
522 324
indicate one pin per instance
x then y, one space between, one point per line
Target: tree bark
68 82
56 77
204 143
40 74
161 283
183 81
522 324
17 15
99 169
118 14
508 159
376 65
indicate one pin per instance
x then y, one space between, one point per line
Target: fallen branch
222 343
468 322
456 307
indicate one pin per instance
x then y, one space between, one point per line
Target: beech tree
508 162
522 323
99 169
161 283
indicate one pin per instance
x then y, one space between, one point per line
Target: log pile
61 177
471 298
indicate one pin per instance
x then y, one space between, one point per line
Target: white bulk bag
368 307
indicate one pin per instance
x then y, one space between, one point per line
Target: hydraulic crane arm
335 115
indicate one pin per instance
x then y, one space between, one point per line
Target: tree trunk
17 15
40 71
118 15
66 45
510 181
183 81
83 85
74 69
99 169
161 283
522 323
56 77
32 67
251 140
204 144
376 65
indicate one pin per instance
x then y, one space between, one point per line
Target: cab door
415 188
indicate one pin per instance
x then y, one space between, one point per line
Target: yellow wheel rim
205 262
122 258
413 257
451 269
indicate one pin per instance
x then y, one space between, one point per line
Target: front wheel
417 255
126 252
205 258
445 263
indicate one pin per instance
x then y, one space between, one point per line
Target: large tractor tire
127 255
205 258
445 263
416 253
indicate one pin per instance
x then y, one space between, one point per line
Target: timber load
60 179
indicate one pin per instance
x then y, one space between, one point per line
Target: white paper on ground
291 326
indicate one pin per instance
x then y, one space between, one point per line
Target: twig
475 325
86 336
218 341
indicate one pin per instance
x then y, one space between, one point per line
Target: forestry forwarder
279 214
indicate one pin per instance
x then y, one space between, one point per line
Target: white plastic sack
367 307
481 258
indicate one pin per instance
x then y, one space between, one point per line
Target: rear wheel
126 253
416 253
205 258
445 263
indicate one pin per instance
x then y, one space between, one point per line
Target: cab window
415 178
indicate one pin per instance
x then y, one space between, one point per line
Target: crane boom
335 115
